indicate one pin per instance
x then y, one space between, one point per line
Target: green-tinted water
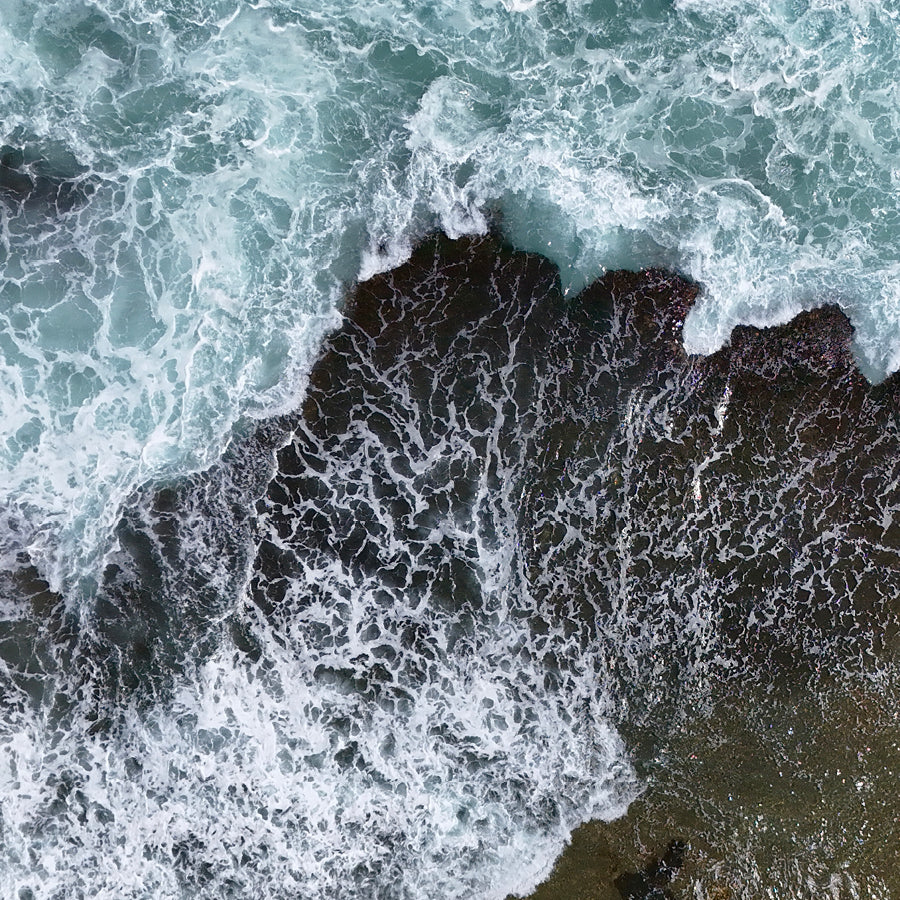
187 192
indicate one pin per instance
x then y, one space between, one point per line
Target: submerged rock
503 526
651 883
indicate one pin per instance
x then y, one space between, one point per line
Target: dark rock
651 883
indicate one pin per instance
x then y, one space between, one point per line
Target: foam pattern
400 642
186 193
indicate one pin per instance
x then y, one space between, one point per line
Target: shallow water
187 192
798 800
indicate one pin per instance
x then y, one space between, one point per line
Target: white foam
285 155
240 774
279 155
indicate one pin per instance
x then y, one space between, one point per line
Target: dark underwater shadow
41 179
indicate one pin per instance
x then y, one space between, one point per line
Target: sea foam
233 170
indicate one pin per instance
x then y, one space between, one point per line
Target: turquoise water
188 191
236 164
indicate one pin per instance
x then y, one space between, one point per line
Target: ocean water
336 568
